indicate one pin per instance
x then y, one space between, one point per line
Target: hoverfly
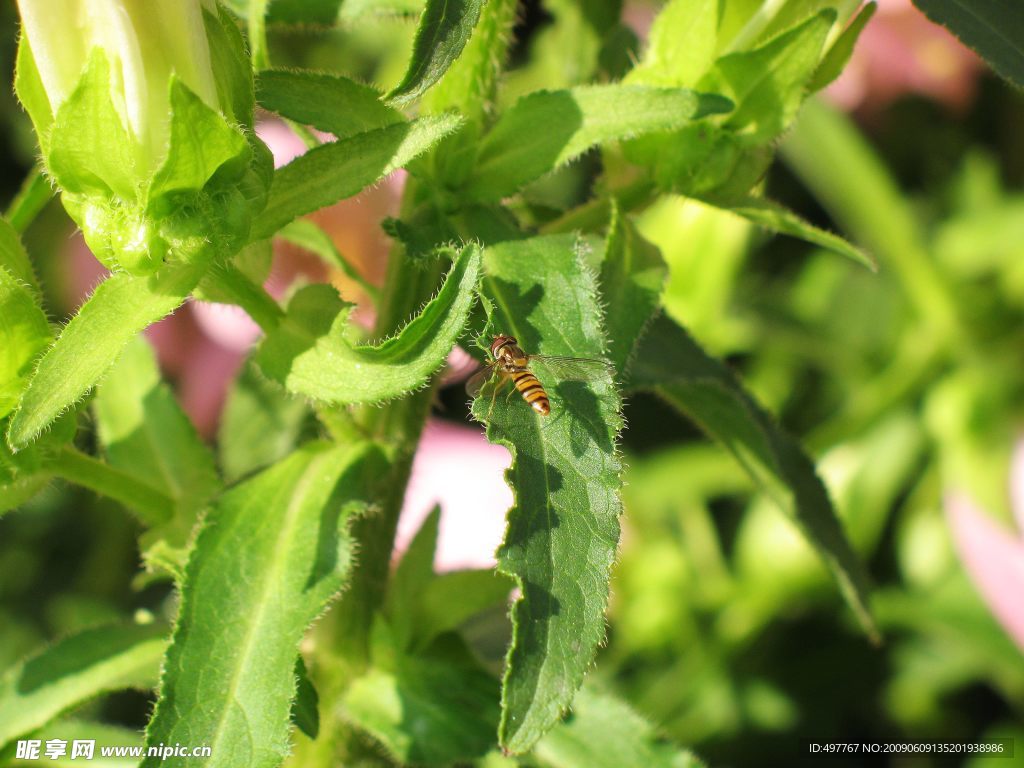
510 363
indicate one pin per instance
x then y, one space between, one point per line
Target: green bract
312 353
144 117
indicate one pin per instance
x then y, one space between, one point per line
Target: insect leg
502 381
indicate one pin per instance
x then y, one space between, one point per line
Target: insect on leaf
564 527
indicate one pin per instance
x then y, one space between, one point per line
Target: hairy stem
242 291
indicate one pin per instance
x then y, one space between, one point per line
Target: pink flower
992 555
457 468
901 51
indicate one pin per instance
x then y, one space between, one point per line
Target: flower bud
143 109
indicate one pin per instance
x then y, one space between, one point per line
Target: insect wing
477 380
572 368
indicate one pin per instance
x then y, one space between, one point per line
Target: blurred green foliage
725 630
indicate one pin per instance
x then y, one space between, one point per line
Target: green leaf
32 198
437 707
202 142
75 670
777 218
769 84
326 102
469 83
605 732
681 45
305 708
564 527
117 310
838 56
312 352
151 505
633 277
547 129
993 28
260 424
310 12
452 598
422 231
273 551
24 334
24 473
145 434
31 93
256 16
671 364
232 70
353 10
331 172
444 30
102 734
306 234
412 576
16 492
90 150
13 257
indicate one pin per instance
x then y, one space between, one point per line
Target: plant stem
258 34
308 236
593 216
398 425
305 134
151 505
342 638
757 24
240 290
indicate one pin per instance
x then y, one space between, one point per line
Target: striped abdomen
532 391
